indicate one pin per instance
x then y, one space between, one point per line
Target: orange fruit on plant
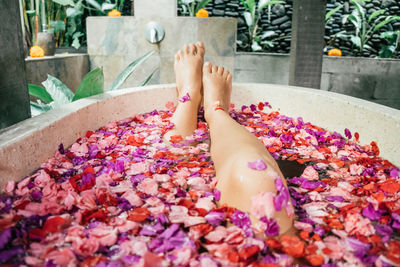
36 51
202 13
114 13
335 52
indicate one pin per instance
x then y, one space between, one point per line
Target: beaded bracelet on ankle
217 106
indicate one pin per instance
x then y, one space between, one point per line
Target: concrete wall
113 43
376 80
14 98
69 68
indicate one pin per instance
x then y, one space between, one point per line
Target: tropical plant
331 13
252 16
190 7
66 18
364 26
55 93
393 39
328 19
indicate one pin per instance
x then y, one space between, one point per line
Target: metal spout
154 32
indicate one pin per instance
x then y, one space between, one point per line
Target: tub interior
24 146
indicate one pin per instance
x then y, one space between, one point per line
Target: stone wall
375 80
279 20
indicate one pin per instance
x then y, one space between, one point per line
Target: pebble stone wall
279 20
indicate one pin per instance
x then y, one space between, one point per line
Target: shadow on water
290 169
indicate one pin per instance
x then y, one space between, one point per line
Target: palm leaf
251 5
64 2
272 2
202 4
359 9
92 84
386 21
94 4
376 14
39 92
117 83
148 78
58 91
333 11
39 108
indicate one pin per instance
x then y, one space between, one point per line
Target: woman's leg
232 147
188 68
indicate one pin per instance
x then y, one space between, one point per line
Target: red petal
54 224
138 214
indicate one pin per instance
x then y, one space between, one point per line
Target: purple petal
394 173
347 133
358 245
272 226
214 217
217 195
242 220
371 213
257 165
185 98
334 198
5 237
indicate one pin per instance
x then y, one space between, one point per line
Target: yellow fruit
202 13
36 51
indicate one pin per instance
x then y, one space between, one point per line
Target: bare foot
217 84
188 72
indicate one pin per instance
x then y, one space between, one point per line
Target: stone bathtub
24 146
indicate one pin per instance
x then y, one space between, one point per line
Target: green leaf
73 12
117 83
39 92
31 13
376 14
148 78
386 21
270 44
107 6
388 34
333 11
356 40
39 108
202 4
267 34
92 84
94 4
64 2
75 43
57 25
262 5
58 91
387 51
248 18
251 5
359 9
256 47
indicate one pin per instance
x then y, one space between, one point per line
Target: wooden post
308 29
14 97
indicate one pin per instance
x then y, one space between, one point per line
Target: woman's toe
207 68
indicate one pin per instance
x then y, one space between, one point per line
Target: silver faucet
154 32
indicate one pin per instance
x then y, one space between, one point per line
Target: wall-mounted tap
154 32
